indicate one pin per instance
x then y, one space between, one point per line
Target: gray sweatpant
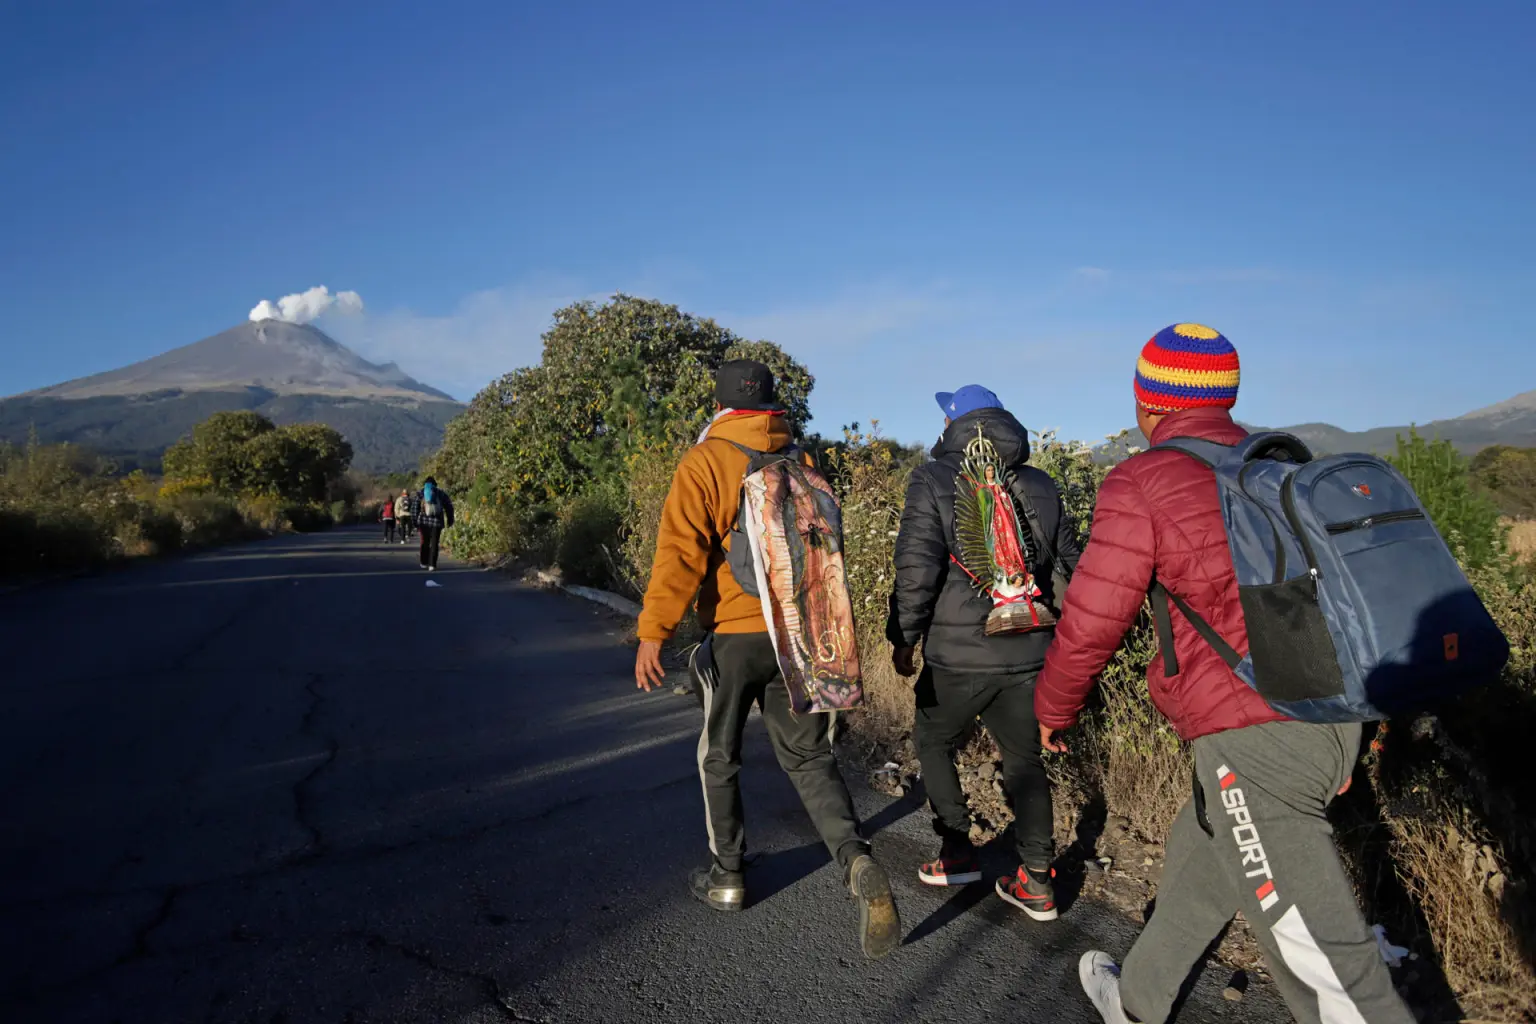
1269 853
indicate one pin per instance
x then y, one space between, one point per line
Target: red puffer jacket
1157 514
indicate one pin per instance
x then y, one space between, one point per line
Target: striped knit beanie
1187 366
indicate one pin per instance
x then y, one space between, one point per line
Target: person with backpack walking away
1294 599
983 543
752 530
405 514
434 514
387 514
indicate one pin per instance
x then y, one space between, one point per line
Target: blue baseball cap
968 399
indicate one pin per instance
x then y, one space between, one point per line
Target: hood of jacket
1007 435
760 431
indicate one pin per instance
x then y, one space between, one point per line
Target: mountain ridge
1510 422
290 373
281 357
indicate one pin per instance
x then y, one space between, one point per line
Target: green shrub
51 541
207 520
151 530
1465 515
308 518
591 538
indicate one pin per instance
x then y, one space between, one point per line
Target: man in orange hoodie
737 665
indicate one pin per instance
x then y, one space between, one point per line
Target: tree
243 454
1463 514
218 451
1508 474
613 378
321 458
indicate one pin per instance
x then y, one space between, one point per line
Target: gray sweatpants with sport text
1269 853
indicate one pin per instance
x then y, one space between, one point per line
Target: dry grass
1130 752
889 709
1522 538
1460 883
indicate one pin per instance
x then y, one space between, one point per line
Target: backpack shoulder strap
1037 529
1207 453
1163 620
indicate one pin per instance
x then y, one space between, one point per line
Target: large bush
244 455
547 451
236 476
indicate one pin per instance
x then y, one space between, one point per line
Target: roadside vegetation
236 476
567 463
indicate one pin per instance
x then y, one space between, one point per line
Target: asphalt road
287 782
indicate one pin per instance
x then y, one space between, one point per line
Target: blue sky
908 196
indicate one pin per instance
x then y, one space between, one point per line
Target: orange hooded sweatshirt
696 523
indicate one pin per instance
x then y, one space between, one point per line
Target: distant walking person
981 612
404 513
1255 836
701 542
434 514
387 514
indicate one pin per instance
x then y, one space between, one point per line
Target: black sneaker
1030 892
719 888
879 923
957 865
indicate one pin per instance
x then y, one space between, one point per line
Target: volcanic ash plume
302 307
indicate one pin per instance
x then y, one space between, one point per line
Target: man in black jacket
967 673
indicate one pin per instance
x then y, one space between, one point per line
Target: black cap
746 385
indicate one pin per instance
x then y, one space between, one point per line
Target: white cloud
302 307
1091 275
877 351
1219 275
488 334
847 320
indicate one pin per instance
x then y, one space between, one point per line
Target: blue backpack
1355 607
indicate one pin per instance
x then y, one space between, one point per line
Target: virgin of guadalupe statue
991 542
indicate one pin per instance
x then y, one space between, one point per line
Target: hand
648 671
904 661
1347 783
1050 740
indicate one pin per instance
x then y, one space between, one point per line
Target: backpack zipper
1366 522
1288 503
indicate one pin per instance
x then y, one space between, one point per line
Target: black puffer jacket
934 600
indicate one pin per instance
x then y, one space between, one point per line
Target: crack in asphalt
361 854
139 949
303 801
488 984
208 638
311 856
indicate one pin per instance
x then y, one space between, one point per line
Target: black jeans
405 528
947 704
744 671
430 535
389 531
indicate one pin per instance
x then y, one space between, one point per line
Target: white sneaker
1100 976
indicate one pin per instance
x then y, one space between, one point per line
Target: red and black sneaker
1031 892
957 865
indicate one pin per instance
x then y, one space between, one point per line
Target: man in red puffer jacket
1255 835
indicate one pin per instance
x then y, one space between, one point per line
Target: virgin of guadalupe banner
795 526
991 542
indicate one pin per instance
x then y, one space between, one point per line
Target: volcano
283 358
290 373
